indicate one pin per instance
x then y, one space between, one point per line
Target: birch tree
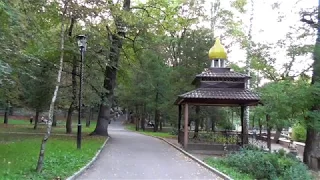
246 122
55 93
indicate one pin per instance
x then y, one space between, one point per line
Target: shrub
296 172
174 131
299 133
265 165
251 147
282 152
227 125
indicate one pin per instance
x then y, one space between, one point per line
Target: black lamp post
82 43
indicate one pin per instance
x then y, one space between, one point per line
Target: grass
25 126
234 174
16 121
19 155
19 152
132 127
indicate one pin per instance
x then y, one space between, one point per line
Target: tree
107 97
311 151
36 91
55 93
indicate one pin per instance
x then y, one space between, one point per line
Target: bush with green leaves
226 125
174 131
219 138
264 165
299 133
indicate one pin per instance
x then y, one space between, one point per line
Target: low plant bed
258 164
219 137
19 155
132 127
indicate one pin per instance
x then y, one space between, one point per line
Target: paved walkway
130 155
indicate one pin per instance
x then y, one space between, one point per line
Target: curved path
130 155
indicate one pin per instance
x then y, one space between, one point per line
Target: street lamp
82 43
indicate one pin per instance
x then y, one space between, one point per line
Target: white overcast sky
266 27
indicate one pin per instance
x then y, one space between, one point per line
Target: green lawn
132 127
19 154
15 121
25 126
227 170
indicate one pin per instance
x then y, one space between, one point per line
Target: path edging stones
220 174
75 175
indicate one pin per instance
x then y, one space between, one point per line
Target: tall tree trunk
268 132
160 122
278 134
54 120
55 94
136 116
36 120
6 112
253 118
111 73
156 120
74 82
248 66
131 117
311 153
69 119
156 114
88 121
143 117
213 124
196 129
201 123
260 127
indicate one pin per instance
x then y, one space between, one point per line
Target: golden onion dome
217 51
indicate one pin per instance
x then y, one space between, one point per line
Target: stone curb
75 175
220 174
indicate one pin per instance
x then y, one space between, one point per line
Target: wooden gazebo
217 86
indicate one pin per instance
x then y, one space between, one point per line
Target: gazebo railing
220 137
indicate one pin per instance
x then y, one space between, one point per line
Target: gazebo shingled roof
219 96
222 72
218 86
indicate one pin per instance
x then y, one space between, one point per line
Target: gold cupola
217 54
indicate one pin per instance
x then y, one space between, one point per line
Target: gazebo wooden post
244 128
179 122
186 133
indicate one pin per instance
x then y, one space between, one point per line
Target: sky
267 29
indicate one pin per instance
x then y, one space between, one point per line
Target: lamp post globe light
82 44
